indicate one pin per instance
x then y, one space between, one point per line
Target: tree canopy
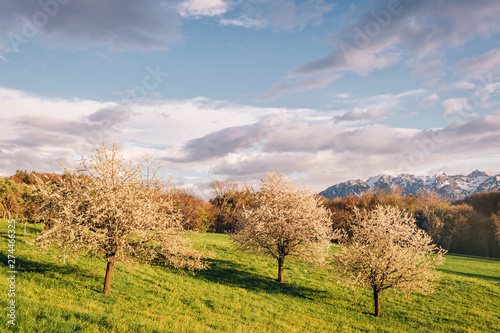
385 249
117 209
285 221
13 196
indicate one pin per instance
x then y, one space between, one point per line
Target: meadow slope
237 294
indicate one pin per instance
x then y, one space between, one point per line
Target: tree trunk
376 298
107 279
281 262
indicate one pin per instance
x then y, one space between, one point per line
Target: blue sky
324 91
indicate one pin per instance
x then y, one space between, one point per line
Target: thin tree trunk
376 298
109 276
281 262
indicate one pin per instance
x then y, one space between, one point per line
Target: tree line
468 226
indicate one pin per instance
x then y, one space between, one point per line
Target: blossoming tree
384 249
117 209
285 221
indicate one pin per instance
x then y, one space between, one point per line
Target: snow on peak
453 187
373 180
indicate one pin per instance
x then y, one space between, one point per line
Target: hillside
238 294
451 187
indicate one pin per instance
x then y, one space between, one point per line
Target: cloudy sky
324 91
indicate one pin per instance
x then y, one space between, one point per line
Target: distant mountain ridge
451 187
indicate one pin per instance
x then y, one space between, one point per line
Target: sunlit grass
238 294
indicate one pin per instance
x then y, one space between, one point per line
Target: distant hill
451 187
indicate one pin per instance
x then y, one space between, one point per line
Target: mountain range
451 187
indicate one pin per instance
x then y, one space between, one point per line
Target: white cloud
302 84
454 106
343 95
380 36
210 138
359 115
278 15
390 101
116 24
482 66
139 25
464 84
331 154
430 100
55 126
244 22
16 102
197 8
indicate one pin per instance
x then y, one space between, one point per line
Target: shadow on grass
469 256
229 273
47 268
477 276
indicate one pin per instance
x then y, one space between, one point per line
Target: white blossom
384 249
116 209
286 221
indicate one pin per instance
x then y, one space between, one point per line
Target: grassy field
237 294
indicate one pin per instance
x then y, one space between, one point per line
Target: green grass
238 294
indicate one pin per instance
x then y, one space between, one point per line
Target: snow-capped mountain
451 187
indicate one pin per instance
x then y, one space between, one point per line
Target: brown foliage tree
196 212
13 196
227 203
342 209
